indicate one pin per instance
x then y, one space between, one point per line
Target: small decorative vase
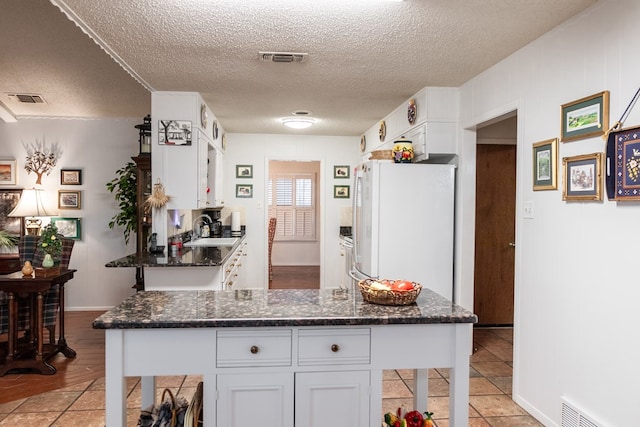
27 269
47 262
402 151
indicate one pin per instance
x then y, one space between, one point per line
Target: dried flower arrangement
40 158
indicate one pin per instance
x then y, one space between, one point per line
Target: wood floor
296 277
87 366
89 344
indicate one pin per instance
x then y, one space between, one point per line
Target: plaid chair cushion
29 251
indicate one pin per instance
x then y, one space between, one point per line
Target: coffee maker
216 226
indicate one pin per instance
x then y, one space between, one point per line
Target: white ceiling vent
282 57
27 98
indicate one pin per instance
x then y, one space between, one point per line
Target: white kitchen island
284 357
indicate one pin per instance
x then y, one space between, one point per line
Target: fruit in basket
402 285
381 285
414 419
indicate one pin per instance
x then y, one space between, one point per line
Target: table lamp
31 204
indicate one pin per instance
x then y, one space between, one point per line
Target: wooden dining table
34 354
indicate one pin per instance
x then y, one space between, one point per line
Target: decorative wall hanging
582 177
614 170
626 167
244 171
412 111
41 159
340 191
204 116
363 143
214 130
9 199
341 172
383 130
244 190
158 198
68 227
68 199
71 177
174 132
545 165
8 172
585 117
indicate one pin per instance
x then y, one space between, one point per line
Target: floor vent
286 57
573 417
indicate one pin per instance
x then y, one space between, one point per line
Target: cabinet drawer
253 348
334 346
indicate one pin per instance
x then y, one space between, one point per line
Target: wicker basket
381 155
388 297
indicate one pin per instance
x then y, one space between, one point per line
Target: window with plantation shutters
291 201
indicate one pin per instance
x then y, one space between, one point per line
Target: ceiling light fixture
298 122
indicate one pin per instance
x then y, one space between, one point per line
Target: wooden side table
16 284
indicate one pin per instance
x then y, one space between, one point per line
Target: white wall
577 287
257 150
99 148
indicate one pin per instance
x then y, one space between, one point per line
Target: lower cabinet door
264 400
336 399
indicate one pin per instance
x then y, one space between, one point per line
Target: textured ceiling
365 58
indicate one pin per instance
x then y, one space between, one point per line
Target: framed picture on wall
68 227
68 199
71 177
545 165
582 177
585 117
244 171
340 172
9 199
340 191
244 190
8 172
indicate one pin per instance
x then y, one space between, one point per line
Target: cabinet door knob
335 348
254 349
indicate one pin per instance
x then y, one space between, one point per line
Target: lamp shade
31 203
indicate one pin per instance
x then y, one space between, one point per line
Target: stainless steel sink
212 241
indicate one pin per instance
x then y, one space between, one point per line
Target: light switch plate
527 208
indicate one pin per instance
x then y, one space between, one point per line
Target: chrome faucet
195 232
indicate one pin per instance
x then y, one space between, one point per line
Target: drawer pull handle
335 348
254 349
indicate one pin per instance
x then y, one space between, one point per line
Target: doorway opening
293 199
494 266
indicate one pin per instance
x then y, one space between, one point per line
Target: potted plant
51 245
125 188
8 241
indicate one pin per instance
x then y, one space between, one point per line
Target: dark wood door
495 233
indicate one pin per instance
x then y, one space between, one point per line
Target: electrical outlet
527 208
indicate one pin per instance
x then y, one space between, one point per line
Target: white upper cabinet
433 130
182 136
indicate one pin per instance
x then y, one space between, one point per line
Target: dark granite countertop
187 257
259 308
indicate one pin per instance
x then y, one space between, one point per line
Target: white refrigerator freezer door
404 228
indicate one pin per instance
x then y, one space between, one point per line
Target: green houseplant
50 244
125 188
8 241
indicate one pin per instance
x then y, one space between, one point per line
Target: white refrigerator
403 223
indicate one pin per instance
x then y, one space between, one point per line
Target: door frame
465 217
321 211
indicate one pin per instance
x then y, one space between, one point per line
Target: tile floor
490 401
